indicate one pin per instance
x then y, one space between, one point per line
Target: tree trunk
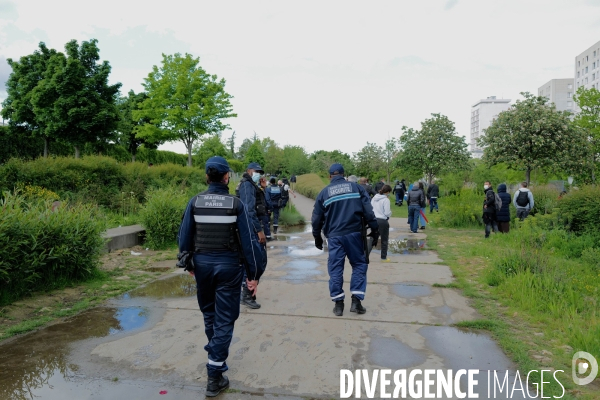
76 151
593 168
189 149
133 158
528 176
46 140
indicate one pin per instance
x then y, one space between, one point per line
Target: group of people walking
496 206
222 243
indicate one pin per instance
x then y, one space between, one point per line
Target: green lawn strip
103 286
522 332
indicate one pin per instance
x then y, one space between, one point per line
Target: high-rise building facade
587 68
482 114
560 92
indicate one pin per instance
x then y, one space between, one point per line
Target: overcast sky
325 74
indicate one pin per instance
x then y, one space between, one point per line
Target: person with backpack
491 205
399 190
503 215
523 201
273 193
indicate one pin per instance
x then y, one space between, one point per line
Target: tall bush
161 216
582 209
309 185
462 210
41 249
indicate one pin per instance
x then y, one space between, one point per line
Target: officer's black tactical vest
260 201
285 195
216 223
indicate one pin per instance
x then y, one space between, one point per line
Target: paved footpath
294 347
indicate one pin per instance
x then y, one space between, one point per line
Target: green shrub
545 199
290 216
462 210
41 249
161 216
309 185
581 208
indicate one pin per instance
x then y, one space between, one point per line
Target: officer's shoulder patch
341 188
214 201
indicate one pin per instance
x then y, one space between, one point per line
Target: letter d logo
583 367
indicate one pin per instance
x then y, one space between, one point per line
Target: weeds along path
293 346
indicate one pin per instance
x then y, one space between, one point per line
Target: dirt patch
124 270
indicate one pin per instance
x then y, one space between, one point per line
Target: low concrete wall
123 237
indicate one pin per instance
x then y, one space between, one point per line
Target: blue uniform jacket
248 197
250 246
340 208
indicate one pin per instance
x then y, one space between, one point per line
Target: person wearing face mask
254 198
383 212
489 209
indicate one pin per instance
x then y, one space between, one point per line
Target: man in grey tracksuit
523 201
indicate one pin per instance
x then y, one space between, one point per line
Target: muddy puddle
181 285
33 365
411 290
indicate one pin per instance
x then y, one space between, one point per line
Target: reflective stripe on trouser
219 300
339 247
276 216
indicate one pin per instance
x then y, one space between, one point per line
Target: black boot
338 310
356 306
275 229
248 299
216 385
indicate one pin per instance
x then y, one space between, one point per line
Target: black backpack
523 199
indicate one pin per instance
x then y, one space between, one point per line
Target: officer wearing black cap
340 211
254 199
217 229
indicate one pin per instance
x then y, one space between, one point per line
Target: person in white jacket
383 212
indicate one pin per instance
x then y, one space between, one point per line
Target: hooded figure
503 216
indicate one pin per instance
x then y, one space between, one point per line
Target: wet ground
149 343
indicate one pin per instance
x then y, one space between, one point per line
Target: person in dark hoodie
489 209
503 216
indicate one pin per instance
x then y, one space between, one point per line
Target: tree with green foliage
389 153
273 155
184 102
321 160
295 160
241 153
26 74
210 146
74 96
433 150
369 160
231 145
532 134
588 119
128 126
255 154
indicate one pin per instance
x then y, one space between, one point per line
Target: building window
587 58
579 63
586 70
586 81
569 104
593 76
569 86
569 94
578 74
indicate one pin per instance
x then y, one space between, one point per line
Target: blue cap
218 163
336 168
255 166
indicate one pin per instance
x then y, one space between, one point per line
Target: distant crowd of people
496 206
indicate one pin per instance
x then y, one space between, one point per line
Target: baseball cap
336 168
218 163
255 166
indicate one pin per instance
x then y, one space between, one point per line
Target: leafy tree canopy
184 102
211 146
588 119
532 134
433 150
128 126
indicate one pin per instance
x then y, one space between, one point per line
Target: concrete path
294 347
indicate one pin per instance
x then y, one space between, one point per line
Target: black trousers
384 235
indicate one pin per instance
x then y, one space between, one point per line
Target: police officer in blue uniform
254 199
217 229
341 211
273 194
